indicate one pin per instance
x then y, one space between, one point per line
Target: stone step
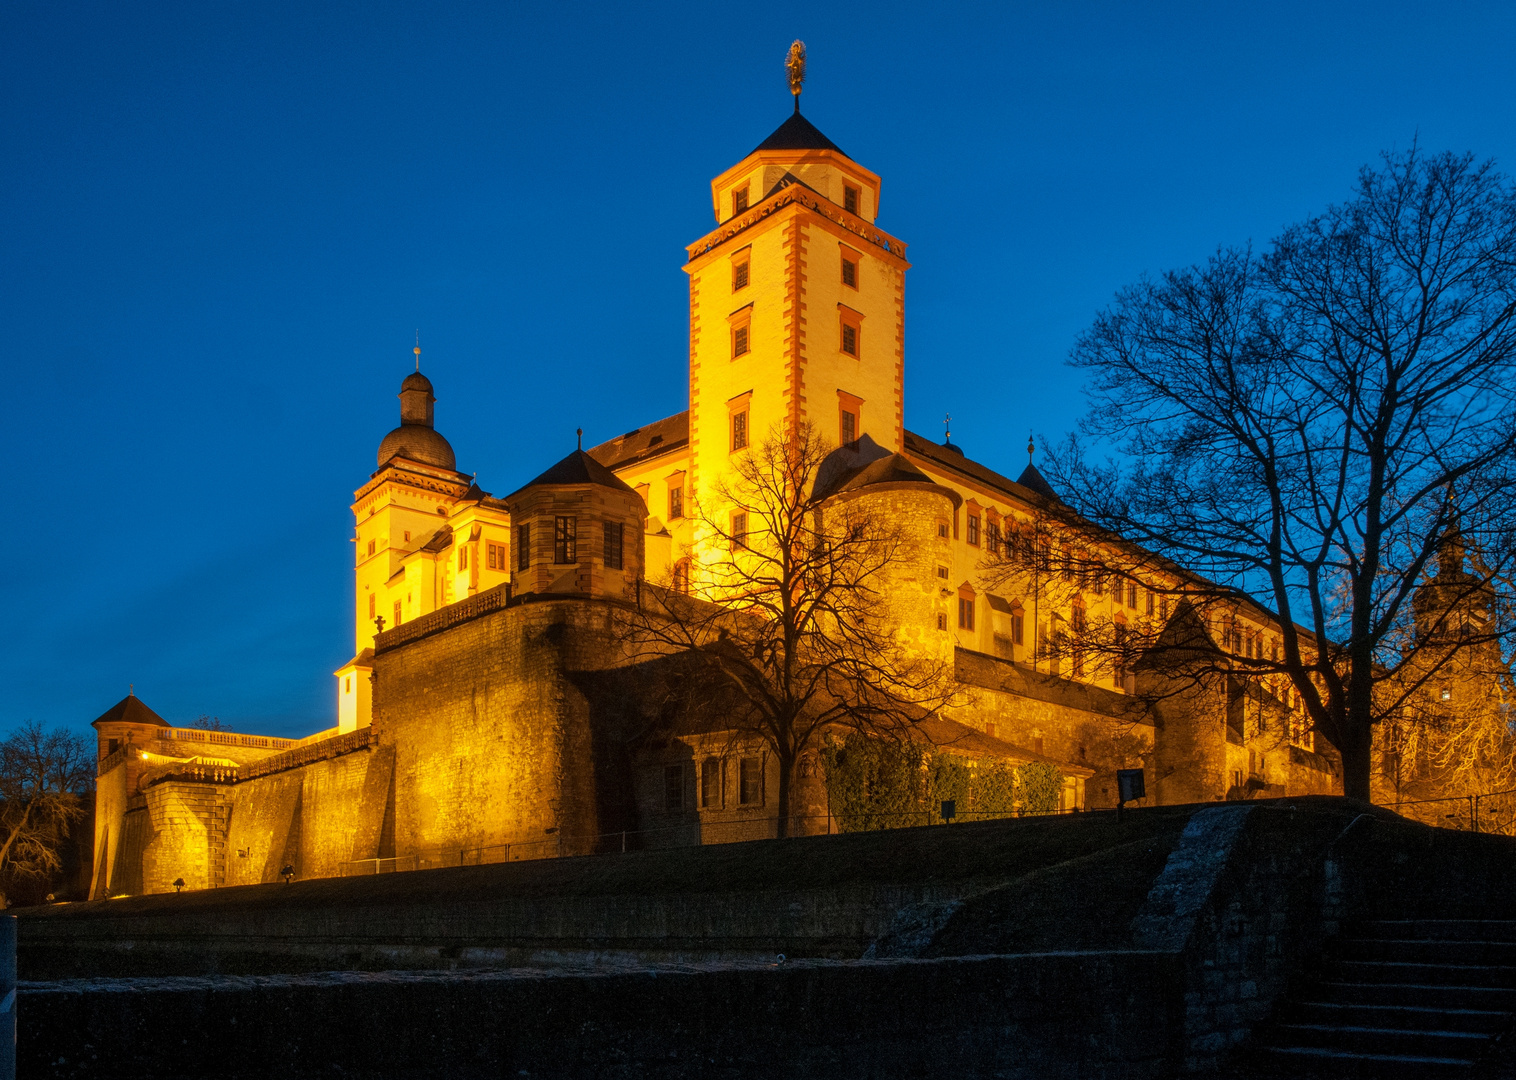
1400 1017
1439 929
1340 1063
1495 975
1429 951
1377 1040
1429 995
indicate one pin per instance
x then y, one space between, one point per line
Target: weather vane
794 67
1031 447
947 428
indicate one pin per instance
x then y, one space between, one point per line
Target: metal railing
688 834
1486 812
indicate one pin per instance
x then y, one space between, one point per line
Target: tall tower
797 304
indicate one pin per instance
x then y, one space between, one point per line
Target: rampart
666 962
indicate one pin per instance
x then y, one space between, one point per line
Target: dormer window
850 198
739 199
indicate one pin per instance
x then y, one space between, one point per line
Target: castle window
1447 693
565 540
941 621
398 612
495 557
739 530
614 532
942 530
973 536
942 572
710 783
965 613
739 431
739 199
523 547
673 787
370 547
676 501
348 684
850 198
750 781
739 275
462 558
850 339
849 428
739 341
992 537
849 272
1150 615
1131 596
373 603
681 577
1017 625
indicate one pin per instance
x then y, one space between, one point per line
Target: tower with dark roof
796 305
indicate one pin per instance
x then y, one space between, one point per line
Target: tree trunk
786 772
1357 763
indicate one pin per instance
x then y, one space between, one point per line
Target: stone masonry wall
490 734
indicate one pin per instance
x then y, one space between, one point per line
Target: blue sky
222 223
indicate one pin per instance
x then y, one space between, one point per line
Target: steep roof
130 710
577 468
953 457
646 442
1031 478
798 133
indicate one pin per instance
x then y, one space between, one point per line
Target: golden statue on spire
794 67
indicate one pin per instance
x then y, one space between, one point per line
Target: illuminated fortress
478 718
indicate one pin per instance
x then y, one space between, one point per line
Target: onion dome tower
416 439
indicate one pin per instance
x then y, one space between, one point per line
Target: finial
418 350
1031 447
947 428
131 690
580 433
794 67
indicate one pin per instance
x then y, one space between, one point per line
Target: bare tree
786 628
45 777
1302 426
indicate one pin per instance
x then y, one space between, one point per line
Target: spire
1031 448
418 350
794 68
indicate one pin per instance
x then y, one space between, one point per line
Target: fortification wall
490 725
1068 721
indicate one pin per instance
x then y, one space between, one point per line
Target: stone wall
492 734
1038 1017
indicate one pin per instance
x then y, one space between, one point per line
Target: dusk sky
222 224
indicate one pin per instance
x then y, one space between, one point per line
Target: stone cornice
798 195
393 471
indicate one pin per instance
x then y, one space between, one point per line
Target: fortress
478 717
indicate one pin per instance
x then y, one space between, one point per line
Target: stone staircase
1399 998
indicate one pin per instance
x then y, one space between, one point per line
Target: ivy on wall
875 783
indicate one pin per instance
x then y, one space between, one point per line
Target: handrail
225 738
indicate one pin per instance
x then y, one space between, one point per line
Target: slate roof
953 457
644 443
130 710
1031 478
577 468
798 133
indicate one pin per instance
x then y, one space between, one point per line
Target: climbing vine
875 783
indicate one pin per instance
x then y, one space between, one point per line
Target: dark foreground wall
1040 1016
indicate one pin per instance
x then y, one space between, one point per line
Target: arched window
681 577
